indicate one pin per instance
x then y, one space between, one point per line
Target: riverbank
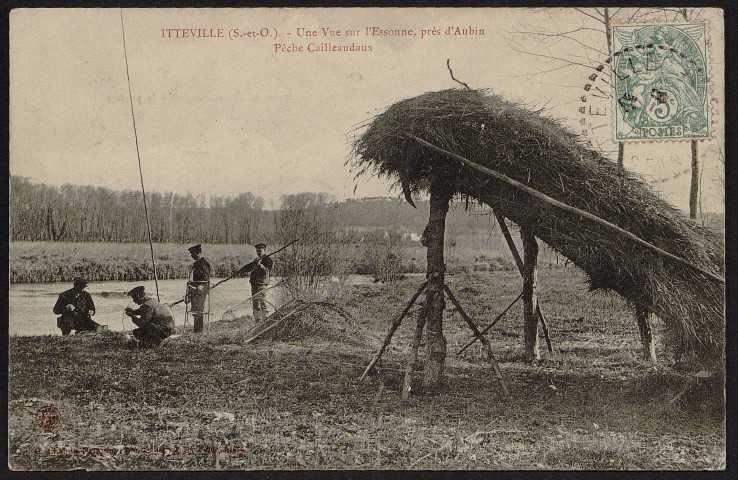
209 402
45 262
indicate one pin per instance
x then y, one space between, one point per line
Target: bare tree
586 48
695 184
320 254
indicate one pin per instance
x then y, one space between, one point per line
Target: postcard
367 239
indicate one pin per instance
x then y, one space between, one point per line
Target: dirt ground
212 403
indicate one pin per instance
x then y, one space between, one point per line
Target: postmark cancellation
660 82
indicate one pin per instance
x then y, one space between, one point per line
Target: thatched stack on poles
538 152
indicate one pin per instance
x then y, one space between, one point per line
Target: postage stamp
660 81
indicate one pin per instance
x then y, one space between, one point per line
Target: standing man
154 321
198 287
259 280
76 309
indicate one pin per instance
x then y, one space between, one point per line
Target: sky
226 115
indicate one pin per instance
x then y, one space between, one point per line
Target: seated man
153 319
76 309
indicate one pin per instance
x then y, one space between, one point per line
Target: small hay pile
540 153
301 319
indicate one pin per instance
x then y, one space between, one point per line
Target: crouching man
153 319
76 309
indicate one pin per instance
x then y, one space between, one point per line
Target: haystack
540 153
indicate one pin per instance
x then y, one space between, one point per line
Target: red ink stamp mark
48 418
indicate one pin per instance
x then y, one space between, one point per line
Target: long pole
254 263
240 272
138 155
568 208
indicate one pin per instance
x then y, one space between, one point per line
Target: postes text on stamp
660 82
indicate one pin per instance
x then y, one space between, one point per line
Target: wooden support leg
644 327
440 196
519 263
414 350
487 348
393 328
544 327
510 243
530 318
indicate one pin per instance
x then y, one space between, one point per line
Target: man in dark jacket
259 279
76 309
154 321
199 286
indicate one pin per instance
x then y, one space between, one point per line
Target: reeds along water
32 268
65 271
41 263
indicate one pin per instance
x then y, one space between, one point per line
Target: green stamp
660 83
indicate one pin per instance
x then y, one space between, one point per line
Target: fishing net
299 319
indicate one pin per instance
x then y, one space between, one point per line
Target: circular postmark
594 110
48 418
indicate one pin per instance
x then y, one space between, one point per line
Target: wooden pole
468 320
272 326
530 319
138 155
519 263
414 349
644 327
488 349
510 243
393 328
568 208
544 327
497 319
440 196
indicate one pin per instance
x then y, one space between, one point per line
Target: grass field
212 403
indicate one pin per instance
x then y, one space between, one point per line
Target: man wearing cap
199 286
153 319
259 279
76 309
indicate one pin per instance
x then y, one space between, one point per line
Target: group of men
154 320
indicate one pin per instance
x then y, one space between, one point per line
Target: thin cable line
138 155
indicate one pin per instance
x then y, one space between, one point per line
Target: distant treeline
74 213
88 214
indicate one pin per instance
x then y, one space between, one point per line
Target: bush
323 252
382 258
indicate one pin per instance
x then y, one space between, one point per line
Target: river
31 304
